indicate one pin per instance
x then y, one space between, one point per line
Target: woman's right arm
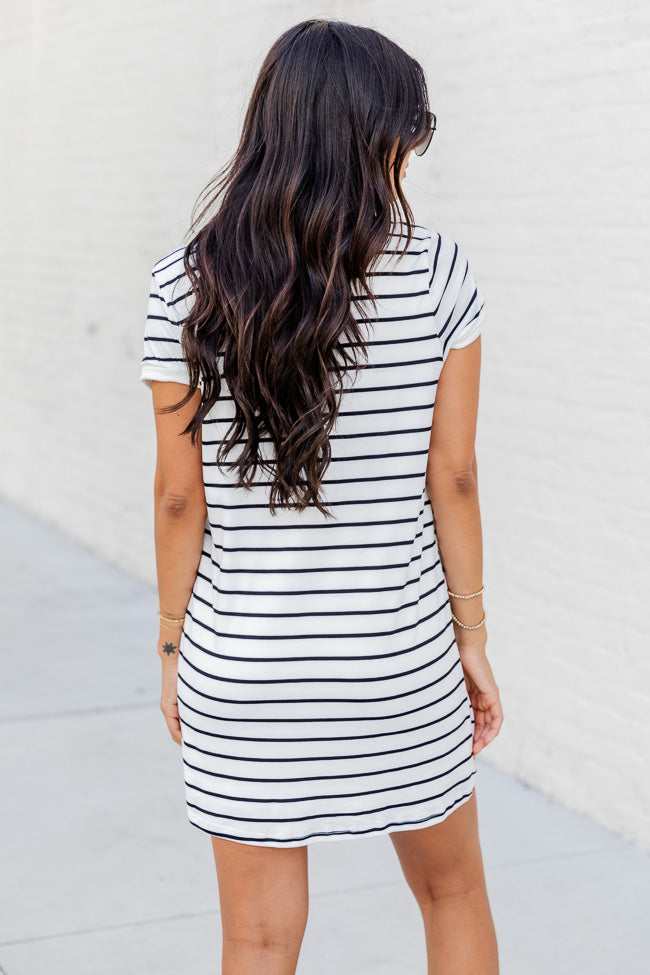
452 485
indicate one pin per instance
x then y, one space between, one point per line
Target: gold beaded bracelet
468 595
459 595
466 626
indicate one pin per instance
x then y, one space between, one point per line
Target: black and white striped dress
320 689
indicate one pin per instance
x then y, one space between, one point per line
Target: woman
320 677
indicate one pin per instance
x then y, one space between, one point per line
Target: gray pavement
102 874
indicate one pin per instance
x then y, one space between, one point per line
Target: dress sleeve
459 304
162 356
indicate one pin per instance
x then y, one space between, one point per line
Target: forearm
457 515
179 532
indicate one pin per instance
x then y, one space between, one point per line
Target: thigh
444 858
263 891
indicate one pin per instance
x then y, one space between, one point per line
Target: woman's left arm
179 526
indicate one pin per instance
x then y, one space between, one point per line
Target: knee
459 883
268 938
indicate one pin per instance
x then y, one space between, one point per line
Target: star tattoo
169 648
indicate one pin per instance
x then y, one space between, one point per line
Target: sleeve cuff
470 333
150 373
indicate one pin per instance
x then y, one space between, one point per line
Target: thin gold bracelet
170 619
468 595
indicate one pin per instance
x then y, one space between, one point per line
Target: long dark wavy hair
307 204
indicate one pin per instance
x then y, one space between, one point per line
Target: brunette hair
307 204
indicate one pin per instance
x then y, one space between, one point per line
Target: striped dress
320 688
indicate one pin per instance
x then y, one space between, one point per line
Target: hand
483 694
168 650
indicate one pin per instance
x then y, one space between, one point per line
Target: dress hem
339 834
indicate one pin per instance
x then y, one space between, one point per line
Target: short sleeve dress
320 689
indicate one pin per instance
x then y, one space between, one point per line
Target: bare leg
443 866
263 894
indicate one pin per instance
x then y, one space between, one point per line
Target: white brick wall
114 117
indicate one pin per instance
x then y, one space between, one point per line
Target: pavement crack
108 927
81 712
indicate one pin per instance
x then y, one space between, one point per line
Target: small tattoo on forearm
169 648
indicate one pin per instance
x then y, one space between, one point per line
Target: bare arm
453 487
179 509
452 484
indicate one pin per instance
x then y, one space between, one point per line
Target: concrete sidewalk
102 874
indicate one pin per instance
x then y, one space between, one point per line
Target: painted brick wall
116 115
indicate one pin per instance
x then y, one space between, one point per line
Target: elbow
176 496
452 480
464 483
177 504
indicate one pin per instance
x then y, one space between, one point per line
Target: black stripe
217 526
389 297
331 504
179 251
435 262
299 741
158 358
317 592
180 298
326 480
341 436
416 226
330 700
317 568
272 819
340 832
428 383
387 274
449 276
166 284
303 613
332 758
385 388
405 362
404 253
459 323
340 795
374 341
357 299
388 409
311 636
338 775
391 318
334 546
284 720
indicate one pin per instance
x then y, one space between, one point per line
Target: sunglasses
424 145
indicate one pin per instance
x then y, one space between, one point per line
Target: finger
174 727
495 727
482 728
479 722
478 743
491 725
